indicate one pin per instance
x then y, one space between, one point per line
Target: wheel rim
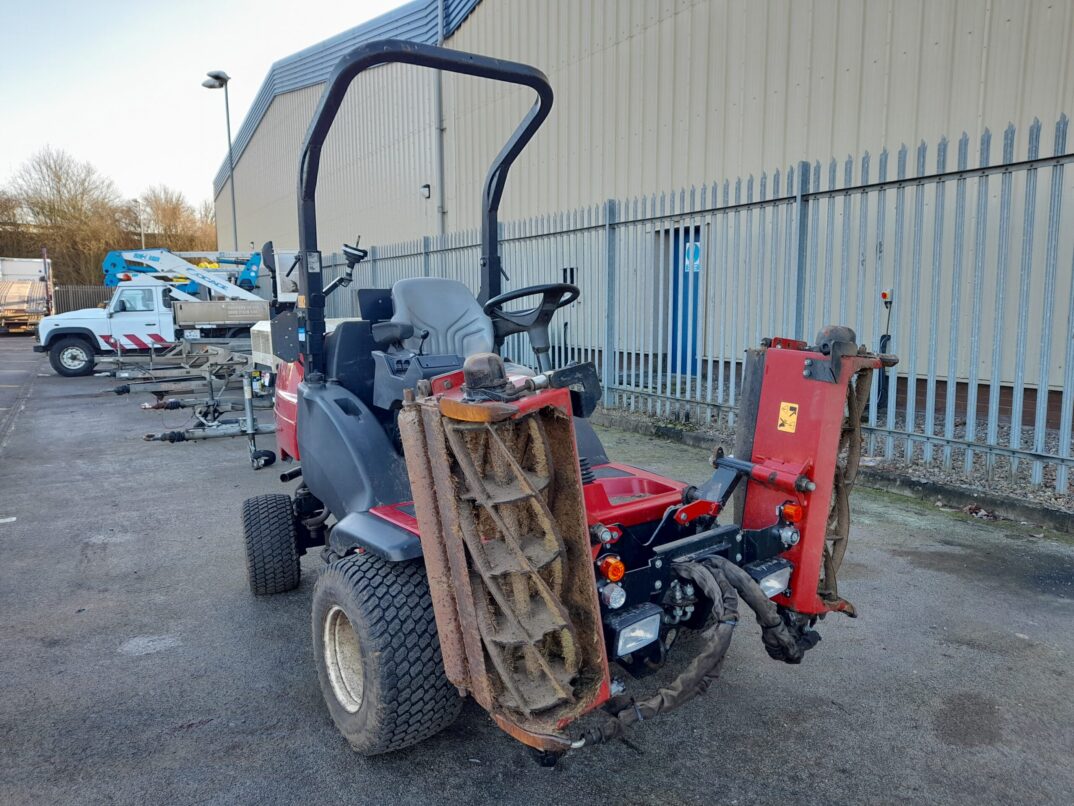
73 358
343 659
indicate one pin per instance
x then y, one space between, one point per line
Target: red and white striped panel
131 341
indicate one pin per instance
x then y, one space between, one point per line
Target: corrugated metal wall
376 158
659 95
266 176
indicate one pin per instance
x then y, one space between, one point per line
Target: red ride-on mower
478 539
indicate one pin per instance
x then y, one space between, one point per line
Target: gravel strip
1006 476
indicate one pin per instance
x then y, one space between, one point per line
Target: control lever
582 381
421 344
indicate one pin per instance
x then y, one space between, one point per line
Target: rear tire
268 528
71 357
378 654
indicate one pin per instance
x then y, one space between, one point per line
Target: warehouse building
651 95
717 171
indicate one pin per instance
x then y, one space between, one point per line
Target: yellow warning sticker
788 417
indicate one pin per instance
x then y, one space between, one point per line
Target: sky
118 82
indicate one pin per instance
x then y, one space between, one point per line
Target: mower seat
445 308
448 311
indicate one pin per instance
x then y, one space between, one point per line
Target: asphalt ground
18 365
135 667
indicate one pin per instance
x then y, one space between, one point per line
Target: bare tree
207 224
55 200
72 209
173 221
15 235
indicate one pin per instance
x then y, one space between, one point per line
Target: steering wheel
535 320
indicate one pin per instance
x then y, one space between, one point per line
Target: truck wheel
378 654
268 528
71 357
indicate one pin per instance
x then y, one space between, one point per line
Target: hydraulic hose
781 640
696 679
723 582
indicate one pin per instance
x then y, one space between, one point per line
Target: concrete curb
1005 506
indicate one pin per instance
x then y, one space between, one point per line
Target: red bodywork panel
624 500
799 421
630 500
288 377
629 497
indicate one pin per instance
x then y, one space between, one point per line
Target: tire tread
57 347
416 698
272 564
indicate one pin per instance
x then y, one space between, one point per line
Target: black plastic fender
85 332
365 530
348 462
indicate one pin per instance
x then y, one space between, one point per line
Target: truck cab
138 318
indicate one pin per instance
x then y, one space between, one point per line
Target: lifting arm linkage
347 69
165 263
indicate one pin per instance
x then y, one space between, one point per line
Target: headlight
774 576
639 634
631 629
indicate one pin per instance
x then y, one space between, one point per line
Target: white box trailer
23 293
24 268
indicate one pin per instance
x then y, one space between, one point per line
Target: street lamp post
216 80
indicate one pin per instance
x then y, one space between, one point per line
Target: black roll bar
387 51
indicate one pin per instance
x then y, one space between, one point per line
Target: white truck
23 293
147 313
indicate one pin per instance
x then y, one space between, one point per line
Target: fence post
373 267
426 258
801 218
609 361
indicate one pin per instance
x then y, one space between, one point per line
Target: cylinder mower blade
500 506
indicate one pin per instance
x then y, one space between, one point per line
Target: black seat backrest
349 359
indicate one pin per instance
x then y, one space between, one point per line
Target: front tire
378 654
268 529
71 357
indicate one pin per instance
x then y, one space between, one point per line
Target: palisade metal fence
75 297
978 253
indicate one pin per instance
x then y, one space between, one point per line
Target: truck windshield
136 299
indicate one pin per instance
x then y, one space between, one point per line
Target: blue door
685 284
